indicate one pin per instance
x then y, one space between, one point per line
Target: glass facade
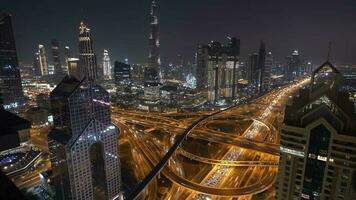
315 167
10 79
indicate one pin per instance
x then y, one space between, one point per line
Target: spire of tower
329 51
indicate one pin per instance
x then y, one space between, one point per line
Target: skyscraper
42 60
318 155
261 65
293 66
87 57
122 73
106 64
73 67
266 78
36 65
154 60
252 69
219 63
56 58
83 141
202 57
66 56
10 79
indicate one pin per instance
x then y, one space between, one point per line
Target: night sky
121 26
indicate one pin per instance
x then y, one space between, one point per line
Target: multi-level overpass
253 138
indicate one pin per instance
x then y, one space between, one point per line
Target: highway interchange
241 141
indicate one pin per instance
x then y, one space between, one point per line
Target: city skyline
240 106
127 36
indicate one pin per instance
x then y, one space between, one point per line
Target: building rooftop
11 123
67 86
323 99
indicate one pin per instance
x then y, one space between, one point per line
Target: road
256 175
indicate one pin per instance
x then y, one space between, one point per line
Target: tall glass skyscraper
154 60
10 79
261 65
83 141
87 58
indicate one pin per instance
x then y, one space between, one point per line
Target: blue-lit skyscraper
10 79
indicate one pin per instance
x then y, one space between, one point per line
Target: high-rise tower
56 58
87 57
261 65
42 60
83 142
216 69
66 57
106 64
10 79
293 66
154 60
266 78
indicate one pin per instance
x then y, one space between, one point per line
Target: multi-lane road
247 167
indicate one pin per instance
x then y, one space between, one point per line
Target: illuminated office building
83 142
43 65
217 69
293 66
318 142
106 64
66 57
252 71
87 57
10 79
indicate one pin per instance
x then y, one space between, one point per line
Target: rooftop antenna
329 51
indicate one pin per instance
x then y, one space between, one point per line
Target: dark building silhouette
56 58
261 66
10 79
318 154
122 73
14 130
293 66
252 69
